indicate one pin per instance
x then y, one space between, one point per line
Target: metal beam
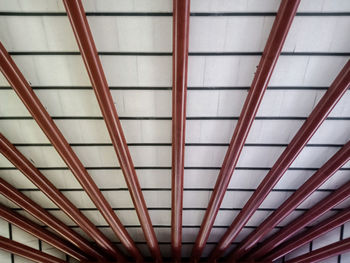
323 253
309 235
310 126
181 21
312 184
41 214
27 252
39 113
265 68
77 17
41 233
309 216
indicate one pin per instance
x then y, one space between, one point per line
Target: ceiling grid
134 41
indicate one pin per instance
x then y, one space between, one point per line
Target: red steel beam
93 64
181 21
312 184
41 214
266 66
27 252
309 235
39 113
41 233
310 126
38 179
311 215
323 253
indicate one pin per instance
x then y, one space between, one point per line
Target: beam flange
36 230
311 234
265 68
338 88
83 35
312 184
305 219
27 252
323 253
181 21
48 126
41 214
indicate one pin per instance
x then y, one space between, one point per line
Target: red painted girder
265 68
38 179
27 252
181 21
309 235
312 184
305 219
41 214
39 113
310 126
41 233
99 83
323 253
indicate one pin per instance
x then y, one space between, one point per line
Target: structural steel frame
273 248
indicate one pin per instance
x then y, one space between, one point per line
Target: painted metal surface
310 126
320 229
41 233
305 219
312 184
93 64
323 253
39 113
266 66
181 21
41 214
27 252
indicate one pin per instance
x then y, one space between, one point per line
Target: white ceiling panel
159 131
166 6
150 103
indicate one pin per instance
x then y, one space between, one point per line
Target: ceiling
134 40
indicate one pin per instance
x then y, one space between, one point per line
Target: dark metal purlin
323 253
77 17
27 252
266 66
312 184
44 216
41 233
311 234
305 219
181 21
39 113
310 126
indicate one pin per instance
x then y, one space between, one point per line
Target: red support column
266 66
311 234
311 215
93 65
310 126
41 214
41 233
39 113
323 253
312 184
181 21
27 252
